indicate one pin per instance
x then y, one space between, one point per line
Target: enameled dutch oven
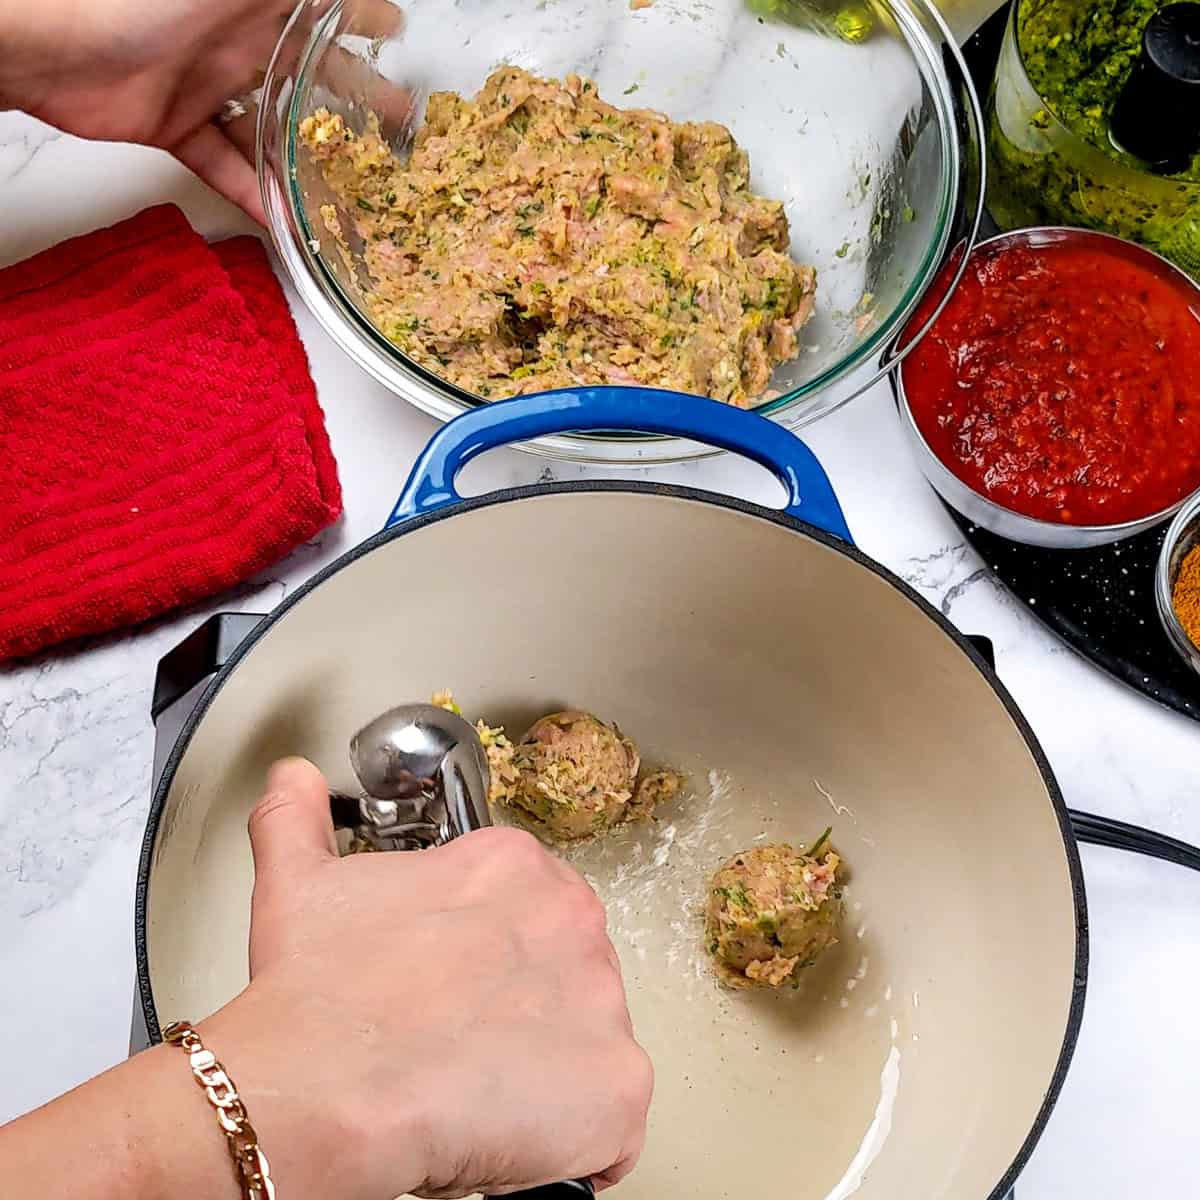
800 684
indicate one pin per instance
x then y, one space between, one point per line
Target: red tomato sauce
1063 382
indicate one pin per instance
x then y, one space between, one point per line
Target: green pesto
1077 55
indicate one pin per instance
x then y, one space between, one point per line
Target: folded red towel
160 436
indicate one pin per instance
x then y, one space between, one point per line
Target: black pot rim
747 508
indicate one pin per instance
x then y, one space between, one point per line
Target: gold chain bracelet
253 1170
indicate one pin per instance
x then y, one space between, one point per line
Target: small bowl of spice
1055 401
1177 583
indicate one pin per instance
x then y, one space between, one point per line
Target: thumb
291 824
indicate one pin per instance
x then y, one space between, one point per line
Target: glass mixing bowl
861 120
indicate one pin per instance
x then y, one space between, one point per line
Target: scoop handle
569 1189
622 410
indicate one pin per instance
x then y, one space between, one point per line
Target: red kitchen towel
160 436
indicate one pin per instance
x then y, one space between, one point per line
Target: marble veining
76 737
24 141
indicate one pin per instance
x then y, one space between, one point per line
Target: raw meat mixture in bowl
731 198
538 237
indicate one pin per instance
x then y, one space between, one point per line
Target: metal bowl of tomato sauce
1056 399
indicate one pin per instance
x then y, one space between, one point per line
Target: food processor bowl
862 120
1040 172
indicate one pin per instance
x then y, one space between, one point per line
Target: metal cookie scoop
424 775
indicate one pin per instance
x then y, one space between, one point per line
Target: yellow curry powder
1185 594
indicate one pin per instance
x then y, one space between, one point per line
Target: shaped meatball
772 911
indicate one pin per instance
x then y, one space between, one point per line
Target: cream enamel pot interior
800 685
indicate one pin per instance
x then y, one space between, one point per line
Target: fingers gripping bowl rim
904 197
870 663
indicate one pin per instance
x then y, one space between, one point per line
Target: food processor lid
1157 114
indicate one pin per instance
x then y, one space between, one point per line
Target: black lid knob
1157 114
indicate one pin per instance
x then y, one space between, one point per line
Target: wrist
307 1105
179 1149
251 1166
139 1131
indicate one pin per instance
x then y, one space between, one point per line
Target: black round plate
1100 601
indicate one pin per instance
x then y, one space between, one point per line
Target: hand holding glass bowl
872 145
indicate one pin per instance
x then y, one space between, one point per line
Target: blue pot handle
628 410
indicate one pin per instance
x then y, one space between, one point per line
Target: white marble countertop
76 739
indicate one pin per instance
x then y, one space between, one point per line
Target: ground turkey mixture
771 911
571 775
503 778
579 776
538 237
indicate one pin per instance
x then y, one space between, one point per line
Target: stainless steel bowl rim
1049 532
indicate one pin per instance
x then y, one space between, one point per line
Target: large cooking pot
800 684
